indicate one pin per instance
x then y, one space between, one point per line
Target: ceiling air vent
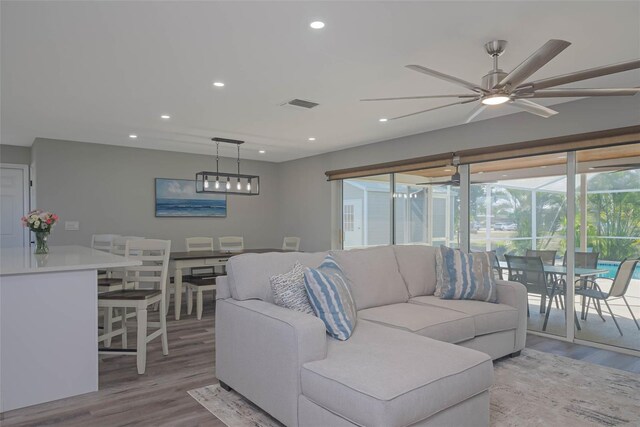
300 103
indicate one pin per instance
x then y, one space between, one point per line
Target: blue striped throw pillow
331 298
465 276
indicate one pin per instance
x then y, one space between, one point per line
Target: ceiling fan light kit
498 87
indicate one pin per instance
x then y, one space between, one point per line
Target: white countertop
60 258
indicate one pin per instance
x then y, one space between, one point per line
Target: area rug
535 389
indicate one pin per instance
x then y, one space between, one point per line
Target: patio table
561 270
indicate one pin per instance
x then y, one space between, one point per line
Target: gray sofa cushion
373 275
487 317
394 378
417 265
248 274
434 322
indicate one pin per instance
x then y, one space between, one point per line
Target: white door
14 203
352 223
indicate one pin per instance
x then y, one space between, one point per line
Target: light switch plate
72 225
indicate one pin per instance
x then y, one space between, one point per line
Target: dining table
179 261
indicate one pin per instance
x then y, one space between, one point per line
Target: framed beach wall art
178 198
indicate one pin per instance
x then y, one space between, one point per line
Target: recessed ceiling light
447 170
311 138
165 116
383 119
591 168
133 136
317 25
218 84
481 172
261 151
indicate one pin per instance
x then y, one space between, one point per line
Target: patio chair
586 260
549 258
619 287
530 272
496 266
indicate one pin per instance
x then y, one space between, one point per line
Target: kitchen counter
49 323
60 258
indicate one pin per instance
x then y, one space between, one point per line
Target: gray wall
110 189
15 154
307 195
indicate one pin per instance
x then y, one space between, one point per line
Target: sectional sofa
413 359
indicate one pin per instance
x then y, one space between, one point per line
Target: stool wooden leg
199 305
141 350
189 300
163 334
124 326
108 325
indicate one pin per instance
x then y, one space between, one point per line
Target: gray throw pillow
289 291
465 276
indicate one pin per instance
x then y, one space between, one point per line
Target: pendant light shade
245 185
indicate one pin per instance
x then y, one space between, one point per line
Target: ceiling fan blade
582 75
420 97
434 108
624 165
475 112
559 93
454 183
537 60
533 108
450 79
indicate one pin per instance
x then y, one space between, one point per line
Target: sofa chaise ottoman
413 359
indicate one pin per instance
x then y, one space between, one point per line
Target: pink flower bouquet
39 221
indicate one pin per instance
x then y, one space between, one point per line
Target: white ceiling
98 71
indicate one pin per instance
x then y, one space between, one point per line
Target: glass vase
42 247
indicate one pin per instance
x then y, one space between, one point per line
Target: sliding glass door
607 233
519 209
576 214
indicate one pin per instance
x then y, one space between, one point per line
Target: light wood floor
159 397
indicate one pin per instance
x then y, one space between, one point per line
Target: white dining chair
103 242
113 282
200 279
291 244
154 255
231 243
199 244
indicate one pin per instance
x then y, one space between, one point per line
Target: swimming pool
612 267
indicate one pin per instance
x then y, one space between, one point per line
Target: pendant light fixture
246 185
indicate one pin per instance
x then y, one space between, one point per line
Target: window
366 207
347 218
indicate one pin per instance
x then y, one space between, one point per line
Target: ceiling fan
454 180
498 87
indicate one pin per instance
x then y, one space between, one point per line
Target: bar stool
154 255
